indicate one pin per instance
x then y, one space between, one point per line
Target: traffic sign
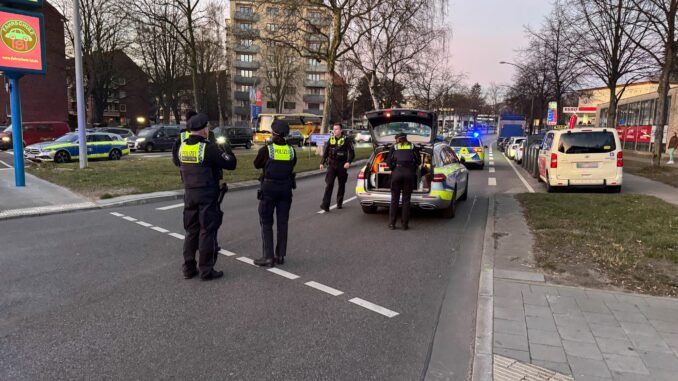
319 138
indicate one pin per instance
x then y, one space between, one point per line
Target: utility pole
79 88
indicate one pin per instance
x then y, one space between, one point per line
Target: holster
222 192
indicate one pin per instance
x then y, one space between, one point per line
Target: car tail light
620 159
361 175
554 160
439 178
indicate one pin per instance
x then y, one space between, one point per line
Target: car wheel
614 189
62 157
464 196
115 155
248 145
369 209
451 210
300 144
549 188
482 166
148 148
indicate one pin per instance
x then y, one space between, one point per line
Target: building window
245 10
123 107
246 73
289 105
315 91
245 57
245 88
271 27
313 77
291 59
271 11
271 104
122 94
314 106
242 104
314 47
313 62
246 42
314 15
290 91
244 26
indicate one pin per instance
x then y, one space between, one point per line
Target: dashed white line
492 181
11 152
144 224
128 218
323 288
177 235
168 207
491 162
492 170
283 273
5 164
159 229
335 205
527 185
249 261
117 214
374 307
226 253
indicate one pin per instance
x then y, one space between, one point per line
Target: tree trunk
373 90
327 106
661 111
194 58
219 108
612 110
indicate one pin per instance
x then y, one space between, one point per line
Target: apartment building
259 68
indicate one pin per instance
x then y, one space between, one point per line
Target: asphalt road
100 294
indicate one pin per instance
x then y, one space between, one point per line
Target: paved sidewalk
36 193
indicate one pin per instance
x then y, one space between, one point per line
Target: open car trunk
378 174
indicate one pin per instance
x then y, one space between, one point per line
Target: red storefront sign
21 42
644 134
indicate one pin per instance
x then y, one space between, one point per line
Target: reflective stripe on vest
280 152
192 153
185 135
334 141
403 146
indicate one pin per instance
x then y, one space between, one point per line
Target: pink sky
488 31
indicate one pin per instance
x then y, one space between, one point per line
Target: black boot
265 262
190 273
213 274
392 226
280 260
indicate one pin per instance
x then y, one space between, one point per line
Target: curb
482 353
134 200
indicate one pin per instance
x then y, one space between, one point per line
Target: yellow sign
18 36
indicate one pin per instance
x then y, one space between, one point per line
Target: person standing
201 164
338 156
277 159
673 145
403 159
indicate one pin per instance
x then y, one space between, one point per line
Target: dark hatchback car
122 132
295 138
159 137
233 136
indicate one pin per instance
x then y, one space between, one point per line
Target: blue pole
17 135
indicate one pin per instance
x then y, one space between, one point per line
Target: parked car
581 157
363 137
512 146
35 132
123 132
520 151
99 146
442 179
295 138
159 137
233 136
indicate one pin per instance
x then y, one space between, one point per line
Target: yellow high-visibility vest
192 153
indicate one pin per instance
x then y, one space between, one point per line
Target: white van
581 157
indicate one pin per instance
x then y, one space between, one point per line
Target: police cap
401 135
197 122
280 127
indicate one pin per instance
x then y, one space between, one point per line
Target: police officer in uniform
338 154
201 164
403 159
277 159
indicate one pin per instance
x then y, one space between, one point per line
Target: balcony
321 83
239 110
246 33
320 68
240 80
315 37
315 111
247 65
246 16
319 21
314 98
246 49
241 96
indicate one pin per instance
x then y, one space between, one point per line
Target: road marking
177 235
159 229
168 207
11 152
117 214
226 253
144 224
5 164
492 170
335 205
374 307
527 185
491 162
128 218
323 288
283 273
492 181
249 261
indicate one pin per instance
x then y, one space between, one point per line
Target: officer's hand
347 165
322 167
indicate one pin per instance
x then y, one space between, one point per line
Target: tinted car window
146 132
587 142
172 132
465 142
548 141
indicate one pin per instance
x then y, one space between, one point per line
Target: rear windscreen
587 142
465 142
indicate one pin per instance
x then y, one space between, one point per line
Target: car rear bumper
424 201
586 183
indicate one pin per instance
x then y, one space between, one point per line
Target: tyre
148 148
369 209
549 188
464 196
300 144
248 145
115 154
451 210
482 166
62 157
614 189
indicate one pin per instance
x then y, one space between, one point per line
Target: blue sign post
17 133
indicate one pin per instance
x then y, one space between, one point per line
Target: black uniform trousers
276 197
340 173
402 181
202 219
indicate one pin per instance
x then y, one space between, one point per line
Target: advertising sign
570 110
552 116
258 99
25 3
22 47
644 134
255 111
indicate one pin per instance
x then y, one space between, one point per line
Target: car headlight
140 140
5 138
221 140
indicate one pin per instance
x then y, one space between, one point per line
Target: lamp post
79 87
531 97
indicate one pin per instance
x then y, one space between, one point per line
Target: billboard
22 47
552 116
25 3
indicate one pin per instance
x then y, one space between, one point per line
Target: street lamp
532 96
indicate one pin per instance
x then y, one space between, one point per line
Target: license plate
587 165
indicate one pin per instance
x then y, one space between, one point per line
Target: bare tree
659 16
432 83
281 68
609 45
493 96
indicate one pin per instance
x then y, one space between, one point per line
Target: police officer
338 154
277 159
201 164
403 159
